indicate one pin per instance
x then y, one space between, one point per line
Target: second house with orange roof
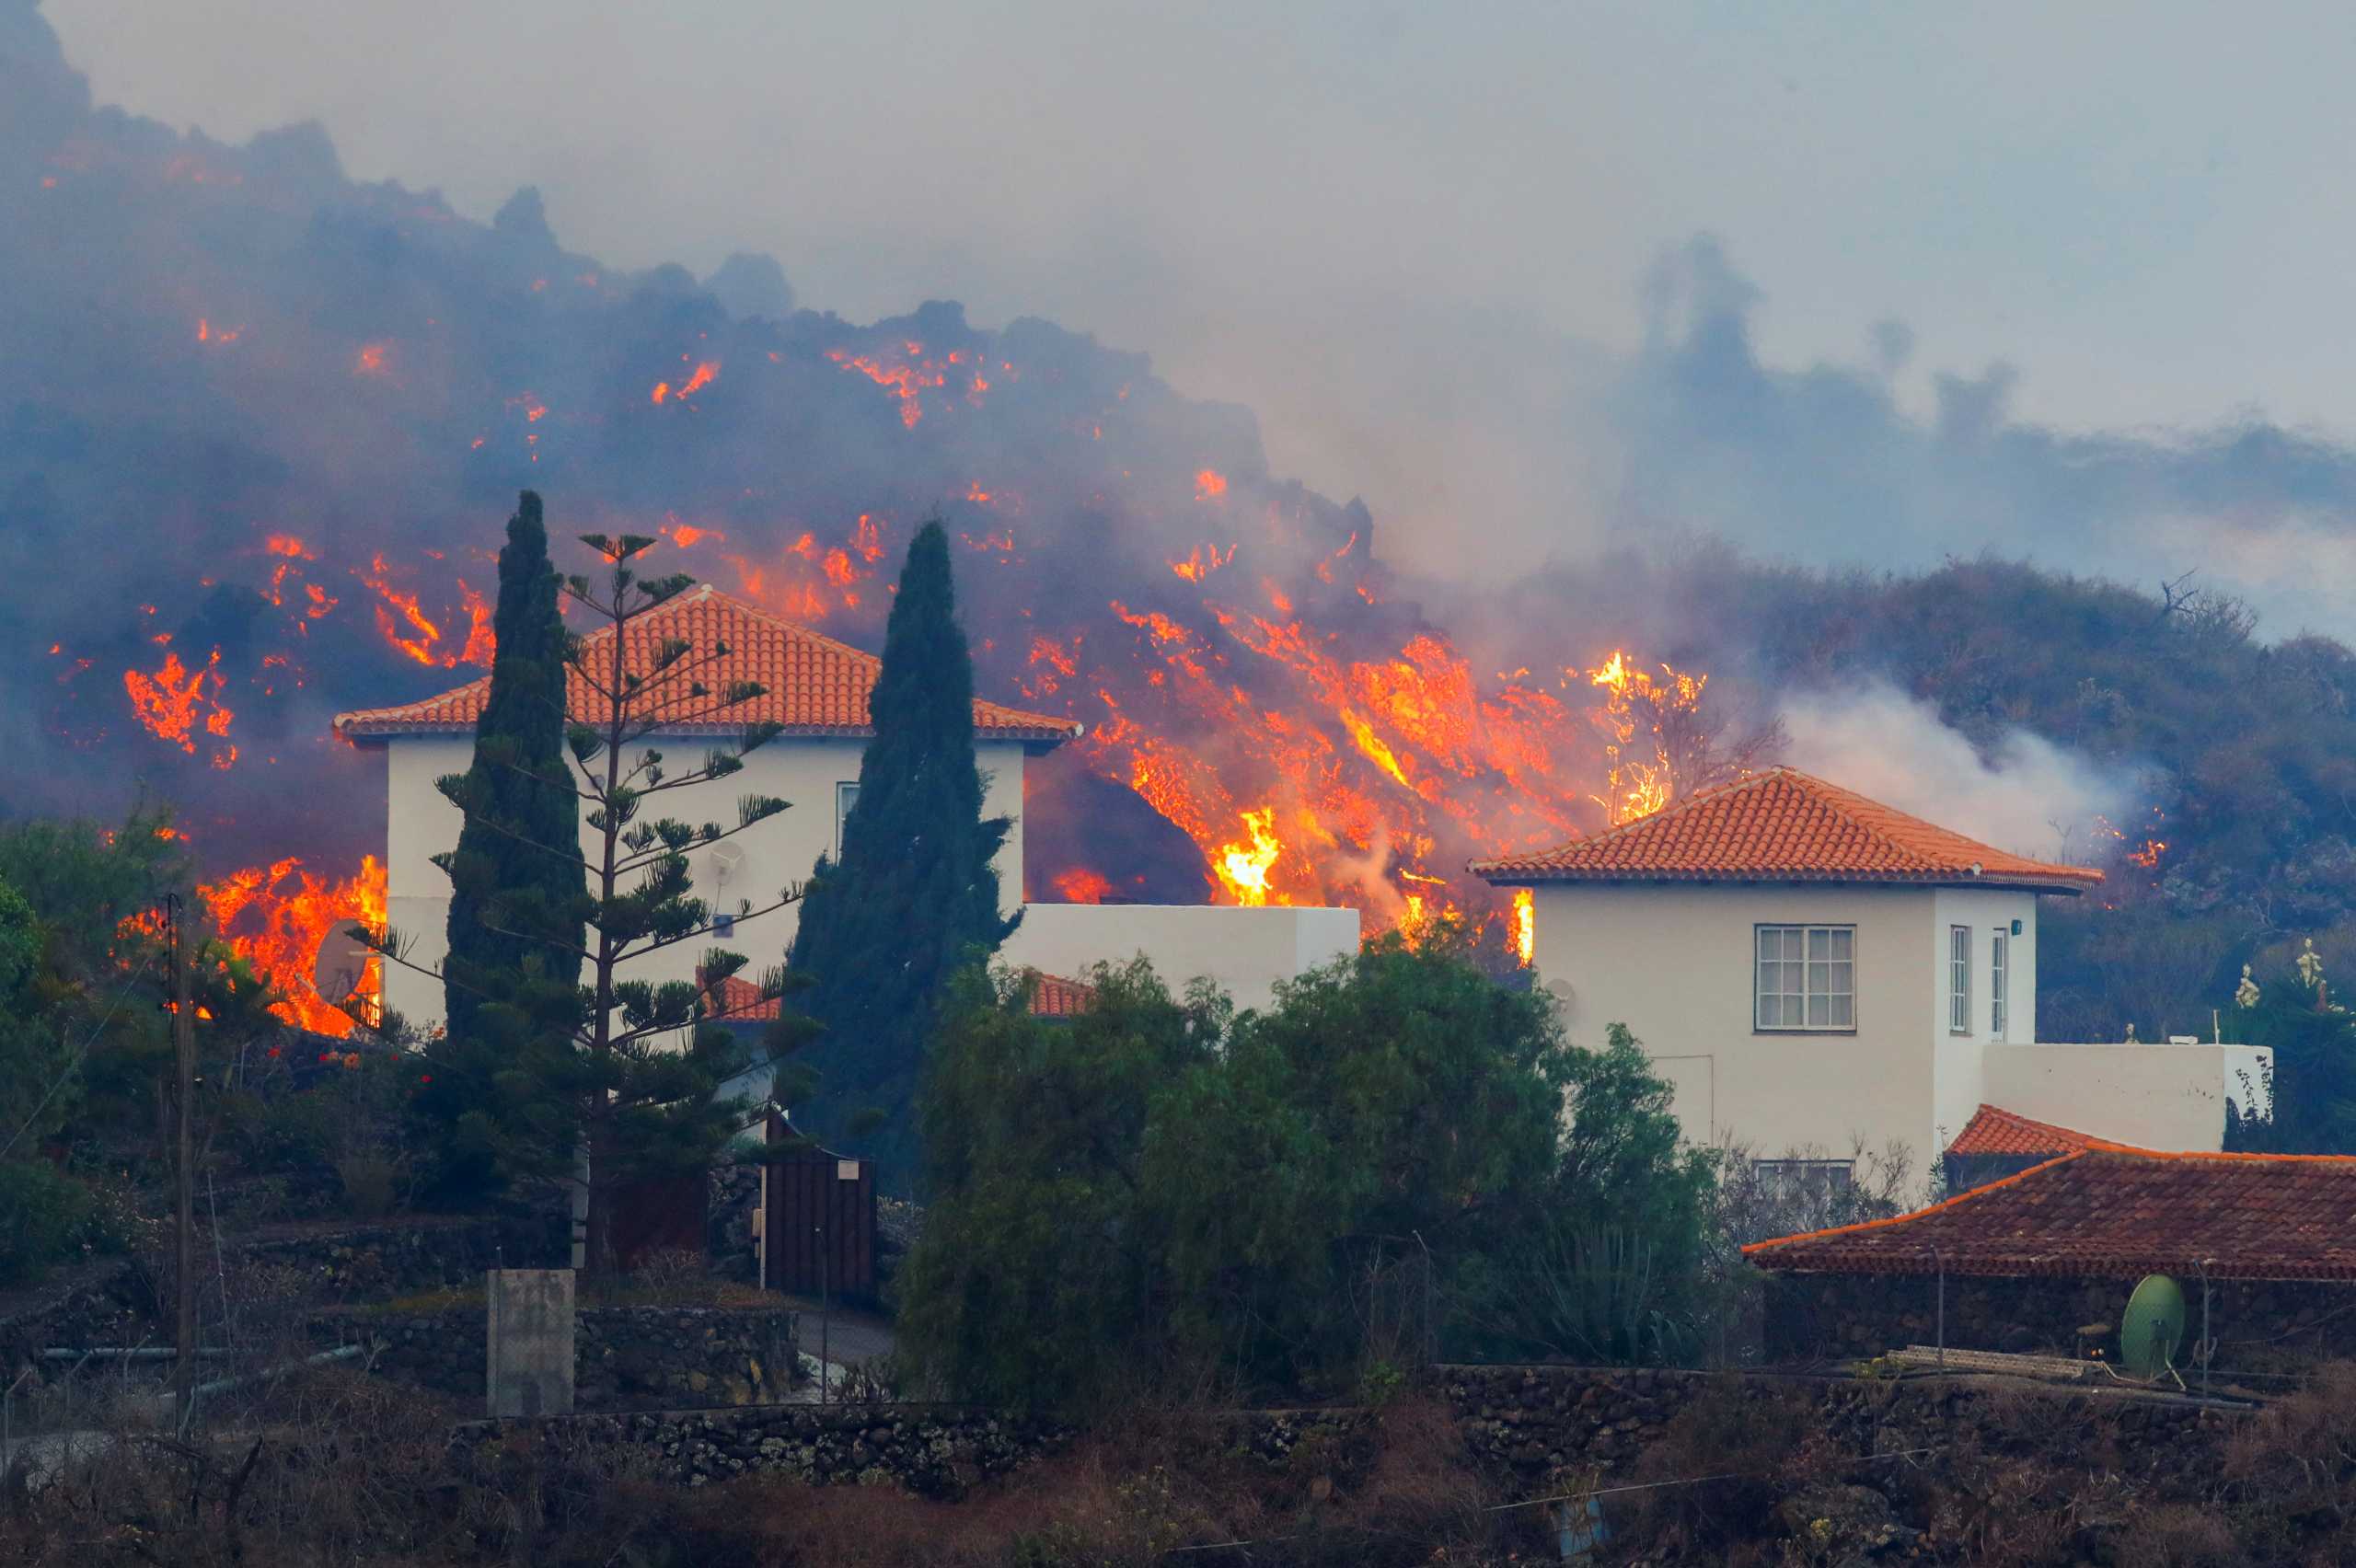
1818 976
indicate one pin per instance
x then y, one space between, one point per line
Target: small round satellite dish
2152 1328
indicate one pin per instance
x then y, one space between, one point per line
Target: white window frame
1812 967
1959 979
846 797
1998 984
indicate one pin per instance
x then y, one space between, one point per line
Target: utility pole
184 1162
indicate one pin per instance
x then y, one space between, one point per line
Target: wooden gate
821 1223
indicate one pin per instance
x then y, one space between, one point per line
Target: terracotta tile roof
816 686
1994 1130
1055 997
738 1000
1783 825
2110 1212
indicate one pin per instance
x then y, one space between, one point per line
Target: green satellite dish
2152 1328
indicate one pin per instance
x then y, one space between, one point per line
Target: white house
1812 970
818 688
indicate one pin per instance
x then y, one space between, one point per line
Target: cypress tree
916 895
510 996
575 1050
520 780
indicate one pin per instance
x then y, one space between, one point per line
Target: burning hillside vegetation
261 421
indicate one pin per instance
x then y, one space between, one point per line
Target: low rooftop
740 1001
1998 1132
815 685
1784 825
2109 1211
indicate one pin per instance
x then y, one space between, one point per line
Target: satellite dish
727 859
2152 1328
341 964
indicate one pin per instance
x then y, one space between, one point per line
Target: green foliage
915 896
625 1071
1613 1265
91 982
2312 1088
494 1111
43 1215
1159 1193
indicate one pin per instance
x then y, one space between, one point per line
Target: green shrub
44 1217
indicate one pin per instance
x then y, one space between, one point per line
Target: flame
1083 887
1201 561
1210 484
1639 775
662 390
277 917
1525 926
905 382
372 359
1243 869
700 379
171 703
424 642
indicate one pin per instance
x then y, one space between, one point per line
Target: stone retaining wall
934 1450
287 1277
625 1358
1822 1318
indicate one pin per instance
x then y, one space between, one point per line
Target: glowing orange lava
277 917
1083 886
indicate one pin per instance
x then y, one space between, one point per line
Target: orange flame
1242 869
1210 484
278 917
700 379
1525 926
171 703
1083 887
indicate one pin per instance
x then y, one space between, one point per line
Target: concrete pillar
530 1322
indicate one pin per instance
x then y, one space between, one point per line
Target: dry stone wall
625 1358
1831 1317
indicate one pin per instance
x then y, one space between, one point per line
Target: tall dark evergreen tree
496 1107
621 1071
519 780
916 895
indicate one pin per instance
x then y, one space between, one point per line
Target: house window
1806 977
1959 979
846 797
1996 986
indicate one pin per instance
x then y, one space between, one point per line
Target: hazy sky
1369 222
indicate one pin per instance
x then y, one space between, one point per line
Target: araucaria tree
915 896
636 1102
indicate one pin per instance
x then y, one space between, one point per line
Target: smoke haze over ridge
209 345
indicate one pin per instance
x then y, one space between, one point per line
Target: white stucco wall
421 824
1959 1083
1675 964
2162 1097
1245 951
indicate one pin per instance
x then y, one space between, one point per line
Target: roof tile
1783 825
815 684
738 1000
2108 1210
1994 1130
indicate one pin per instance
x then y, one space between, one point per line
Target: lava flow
279 917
